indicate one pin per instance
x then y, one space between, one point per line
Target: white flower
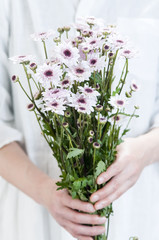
56 105
41 36
95 62
82 103
94 42
67 54
66 83
22 59
91 21
56 93
48 75
134 87
118 102
89 92
80 72
117 41
127 53
119 119
102 119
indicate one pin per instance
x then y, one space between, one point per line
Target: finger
84 238
81 230
113 170
115 195
109 188
82 218
78 205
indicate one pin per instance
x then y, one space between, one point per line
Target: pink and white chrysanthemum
22 59
102 119
128 53
89 92
92 21
67 54
56 93
95 62
95 43
134 86
80 72
42 36
118 102
117 41
56 105
82 103
119 119
66 83
48 75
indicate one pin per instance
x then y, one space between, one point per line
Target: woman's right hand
65 210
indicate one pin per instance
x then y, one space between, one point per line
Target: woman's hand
65 210
123 173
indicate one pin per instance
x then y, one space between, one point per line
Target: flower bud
128 94
96 145
56 40
91 133
90 139
65 124
33 66
37 95
66 28
136 107
97 86
67 114
60 30
111 55
99 108
31 107
107 109
15 78
106 48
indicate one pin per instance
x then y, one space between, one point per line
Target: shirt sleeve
8 132
155 117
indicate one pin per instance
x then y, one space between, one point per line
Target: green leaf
75 152
77 185
101 167
74 195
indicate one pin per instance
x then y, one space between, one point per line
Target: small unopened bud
33 66
96 145
99 108
128 94
66 28
85 50
37 95
107 109
31 107
57 40
15 78
90 139
106 48
91 133
67 114
65 124
29 76
136 107
60 30
97 86
111 55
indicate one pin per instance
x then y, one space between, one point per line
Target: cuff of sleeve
8 134
155 122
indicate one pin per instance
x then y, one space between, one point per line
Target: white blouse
137 211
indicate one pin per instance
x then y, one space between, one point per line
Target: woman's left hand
122 174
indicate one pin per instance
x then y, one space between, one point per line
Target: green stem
126 73
44 44
24 91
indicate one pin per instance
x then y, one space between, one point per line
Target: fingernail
102 220
91 209
95 198
99 206
100 180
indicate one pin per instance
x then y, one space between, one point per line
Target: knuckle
115 185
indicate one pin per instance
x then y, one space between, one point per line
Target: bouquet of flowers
79 103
